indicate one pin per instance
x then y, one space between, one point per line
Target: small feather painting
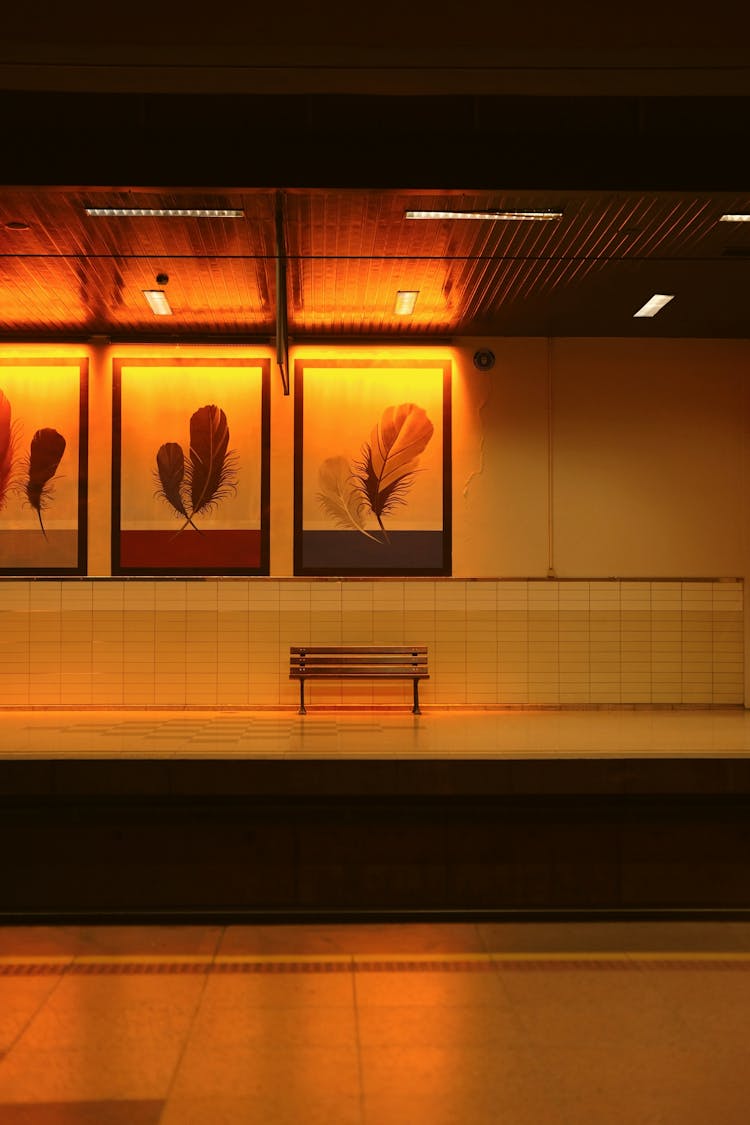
341 497
30 476
381 504
43 457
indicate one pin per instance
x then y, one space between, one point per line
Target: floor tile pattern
605 733
454 1024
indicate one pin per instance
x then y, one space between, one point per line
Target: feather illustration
390 458
211 472
6 449
47 448
339 496
170 474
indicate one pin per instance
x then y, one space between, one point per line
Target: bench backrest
359 660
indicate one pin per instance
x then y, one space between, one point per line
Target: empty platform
235 815
437 734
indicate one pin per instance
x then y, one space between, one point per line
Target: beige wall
597 458
581 460
646 476
648 440
500 461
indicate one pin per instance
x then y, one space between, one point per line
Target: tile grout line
42 1003
358 1042
191 1024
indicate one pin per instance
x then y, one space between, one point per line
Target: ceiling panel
104 295
367 224
58 224
349 252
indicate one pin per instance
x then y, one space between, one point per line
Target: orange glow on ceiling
349 252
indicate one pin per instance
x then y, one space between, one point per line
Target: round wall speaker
484 359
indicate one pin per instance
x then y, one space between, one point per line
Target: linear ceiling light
406 299
518 216
655 304
163 213
157 301
729 218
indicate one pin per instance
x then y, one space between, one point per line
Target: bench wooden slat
345 674
360 670
359 649
321 662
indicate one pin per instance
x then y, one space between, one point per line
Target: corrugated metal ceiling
349 252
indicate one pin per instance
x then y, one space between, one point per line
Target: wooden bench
358 662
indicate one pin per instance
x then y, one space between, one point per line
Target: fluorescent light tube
735 218
654 304
163 213
157 301
406 299
519 216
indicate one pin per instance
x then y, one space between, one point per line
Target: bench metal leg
415 709
302 708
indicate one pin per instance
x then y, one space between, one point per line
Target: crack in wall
478 472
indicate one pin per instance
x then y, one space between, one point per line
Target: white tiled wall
226 642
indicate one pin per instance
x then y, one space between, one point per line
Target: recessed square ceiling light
492 216
163 213
157 301
406 299
655 304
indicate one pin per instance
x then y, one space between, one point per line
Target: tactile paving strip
478 964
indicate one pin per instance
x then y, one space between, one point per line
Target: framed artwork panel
372 449
190 466
43 466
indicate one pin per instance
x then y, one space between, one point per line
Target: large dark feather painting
190 448
197 486
372 485
42 466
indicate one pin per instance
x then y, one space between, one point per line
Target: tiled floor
436 734
504 1024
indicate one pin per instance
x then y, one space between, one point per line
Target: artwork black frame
302 566
154 570
80 568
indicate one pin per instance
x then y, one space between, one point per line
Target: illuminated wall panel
43 465
372 467
190 466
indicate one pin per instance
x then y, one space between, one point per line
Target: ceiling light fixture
163 213
494 216
655 304
157 302
406 299
729 218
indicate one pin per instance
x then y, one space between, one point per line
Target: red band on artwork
165 550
